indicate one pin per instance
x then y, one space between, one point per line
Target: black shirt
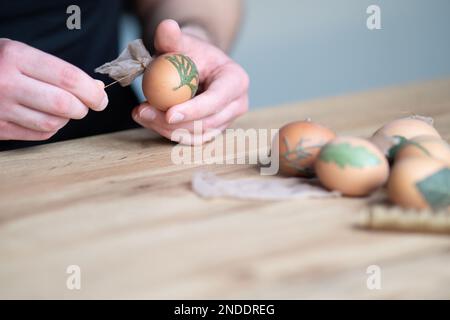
42 24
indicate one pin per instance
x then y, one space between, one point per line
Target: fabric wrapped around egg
130 64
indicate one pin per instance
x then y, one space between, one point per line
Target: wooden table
117 207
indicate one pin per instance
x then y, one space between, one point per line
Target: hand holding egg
224 82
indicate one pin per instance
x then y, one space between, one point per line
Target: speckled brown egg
420 182
352 166
299 144
170 79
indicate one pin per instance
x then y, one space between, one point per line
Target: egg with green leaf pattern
170 79
420 182
405 129
425 146
299 144
352 166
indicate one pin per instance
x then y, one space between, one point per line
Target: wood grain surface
116 206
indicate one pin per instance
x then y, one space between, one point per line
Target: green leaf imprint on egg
436 189
344 154
394 149
418 146
294 155
187 71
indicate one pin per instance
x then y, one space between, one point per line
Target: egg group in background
420 183
352 166
299 144
170 79
357 167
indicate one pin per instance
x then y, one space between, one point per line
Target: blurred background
305 49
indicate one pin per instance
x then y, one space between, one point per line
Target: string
118 80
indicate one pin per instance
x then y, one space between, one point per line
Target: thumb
168 37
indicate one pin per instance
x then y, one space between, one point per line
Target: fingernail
176 117
147 114
104 103
100 83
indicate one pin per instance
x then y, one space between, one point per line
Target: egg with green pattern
170 79
299 144
404 129
420 183
425 146
352 166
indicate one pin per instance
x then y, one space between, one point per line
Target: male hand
40 93
225 85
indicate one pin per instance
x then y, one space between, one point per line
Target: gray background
304 49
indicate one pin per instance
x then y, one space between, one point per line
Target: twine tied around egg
129 65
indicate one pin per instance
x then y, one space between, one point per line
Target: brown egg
352 166
170 79
403 129
425 146
420 183
299 145
408 128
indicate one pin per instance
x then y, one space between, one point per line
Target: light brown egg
425 146
403 129
352 166
170 79
408 128
420 182
299 145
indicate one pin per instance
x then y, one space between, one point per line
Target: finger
184 136
227 114
228 84
168 37
151 118
50 69
12 131
35 120
147 116
50 99
197 139
144 114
